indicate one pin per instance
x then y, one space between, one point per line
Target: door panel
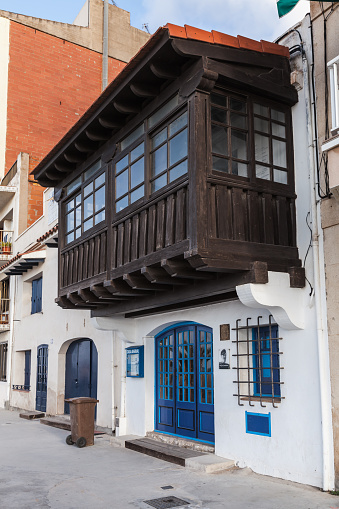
184 382
41 384
81 370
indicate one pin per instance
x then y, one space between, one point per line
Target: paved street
38 470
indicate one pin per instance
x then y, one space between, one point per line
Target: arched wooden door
81 370
184 382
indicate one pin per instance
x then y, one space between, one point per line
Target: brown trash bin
82 412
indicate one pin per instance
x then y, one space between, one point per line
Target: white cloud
257 19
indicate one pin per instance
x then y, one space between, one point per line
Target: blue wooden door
27 382
184 382
81 370
41 382
266 361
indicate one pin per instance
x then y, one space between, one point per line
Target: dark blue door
41 382
184 382
81 370
266 361
27 382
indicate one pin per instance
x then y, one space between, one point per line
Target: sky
257 19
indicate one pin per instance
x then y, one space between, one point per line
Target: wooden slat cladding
252 216
84 261
160 226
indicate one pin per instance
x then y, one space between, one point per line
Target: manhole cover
166 502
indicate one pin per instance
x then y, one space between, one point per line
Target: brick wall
51 83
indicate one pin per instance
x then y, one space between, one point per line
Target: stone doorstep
194 460
30 415
63 422
181 442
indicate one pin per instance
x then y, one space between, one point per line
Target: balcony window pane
178 147
240 169
220 100
178 124
99 181
159 183
159 160
78 217
88 224
137 152
219 140
70 237
73 185
88 207
78 200
132 137
100 199
239 145
95 167
99 217
278 130
220 164
121 164
88 189
279 153
70 205
261 125
165 110
178 171
277 115
259 109
121 184
70 222
262 148
78 232
121 204
237 105
159 138
280 176
239 121
262 172
137 173
137 194
219 115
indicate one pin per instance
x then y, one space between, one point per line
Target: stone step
30 415
195 460
63 422
181 442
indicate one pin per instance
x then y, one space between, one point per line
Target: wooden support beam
98 134
160 276
119 287
144 90
165 71
111 122
141 283
127 107
74 156
182 270
86 146
75 299
102 293
64 166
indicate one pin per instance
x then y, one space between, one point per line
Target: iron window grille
257 362
3 362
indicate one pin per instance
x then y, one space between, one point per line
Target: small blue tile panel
258 424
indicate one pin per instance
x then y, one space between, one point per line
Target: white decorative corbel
285 303
123 327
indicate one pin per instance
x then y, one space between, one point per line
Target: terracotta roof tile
224 39
198 34
48 234
189 32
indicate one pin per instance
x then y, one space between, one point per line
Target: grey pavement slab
38 470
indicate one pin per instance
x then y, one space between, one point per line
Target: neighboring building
183 231
325 23
50 74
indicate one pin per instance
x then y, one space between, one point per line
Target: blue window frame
266 368
36 296
27 382
258 424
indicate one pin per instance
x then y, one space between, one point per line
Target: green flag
285 6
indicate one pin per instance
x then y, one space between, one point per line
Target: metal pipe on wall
105 47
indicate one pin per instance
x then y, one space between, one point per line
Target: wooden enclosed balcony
178 184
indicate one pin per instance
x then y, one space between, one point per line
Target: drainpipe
113 383
319 292
105 47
